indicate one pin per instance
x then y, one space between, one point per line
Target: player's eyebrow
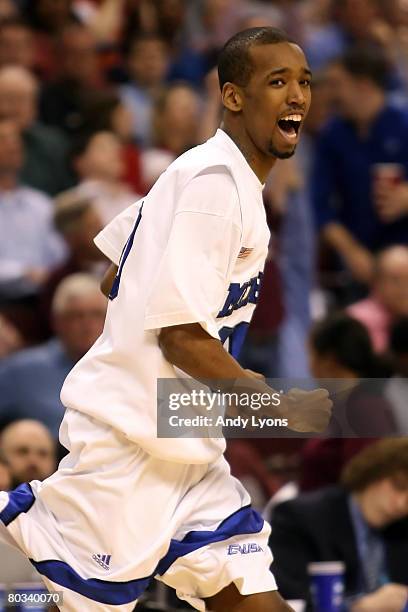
286 70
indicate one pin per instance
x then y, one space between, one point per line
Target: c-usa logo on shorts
244 549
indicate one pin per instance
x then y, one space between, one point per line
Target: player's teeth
293 118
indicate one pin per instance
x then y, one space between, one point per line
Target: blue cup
30 597
327 585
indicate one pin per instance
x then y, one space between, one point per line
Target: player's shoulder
205 158
206 172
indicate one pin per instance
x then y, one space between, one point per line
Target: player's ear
232 97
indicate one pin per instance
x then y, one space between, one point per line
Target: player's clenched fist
307 411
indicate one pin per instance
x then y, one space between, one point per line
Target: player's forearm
191 349
201 356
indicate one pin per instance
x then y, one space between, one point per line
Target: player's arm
108 278
190 348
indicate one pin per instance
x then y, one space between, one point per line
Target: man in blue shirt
360 177
31 380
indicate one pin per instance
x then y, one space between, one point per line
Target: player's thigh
231 599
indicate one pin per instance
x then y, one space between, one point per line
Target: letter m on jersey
241 295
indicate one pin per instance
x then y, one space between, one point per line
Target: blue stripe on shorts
243 521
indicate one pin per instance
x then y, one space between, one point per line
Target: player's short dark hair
234 61
367 61
387 458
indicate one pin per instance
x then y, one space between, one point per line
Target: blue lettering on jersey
241 295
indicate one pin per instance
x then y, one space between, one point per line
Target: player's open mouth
289 127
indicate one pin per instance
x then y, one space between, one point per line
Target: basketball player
125 506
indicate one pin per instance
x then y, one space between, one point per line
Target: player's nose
295 95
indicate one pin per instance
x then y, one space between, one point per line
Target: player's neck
260 164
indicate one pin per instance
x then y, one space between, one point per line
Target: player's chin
281 152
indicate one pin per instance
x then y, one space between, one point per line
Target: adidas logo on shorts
103 560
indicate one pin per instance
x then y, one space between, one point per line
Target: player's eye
277 82
305 82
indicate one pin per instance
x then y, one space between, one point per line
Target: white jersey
192 251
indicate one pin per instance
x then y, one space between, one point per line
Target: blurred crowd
98 97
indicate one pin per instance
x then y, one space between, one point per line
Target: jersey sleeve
111 240
204 241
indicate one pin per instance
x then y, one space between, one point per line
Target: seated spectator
29 244
362 522
396 390
351 22
340 348
29 453
49 15
105 112
175 119
388 299
147 65
8 10
98 161
77 70
5 475
28 450
78 223
45 160
17 46
358 212
342 355
31 380
10 339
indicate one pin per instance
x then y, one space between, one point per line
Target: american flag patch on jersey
244 252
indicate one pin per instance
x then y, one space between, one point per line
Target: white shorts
113 517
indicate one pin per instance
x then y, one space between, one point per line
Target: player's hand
256 375
389 598
306 411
